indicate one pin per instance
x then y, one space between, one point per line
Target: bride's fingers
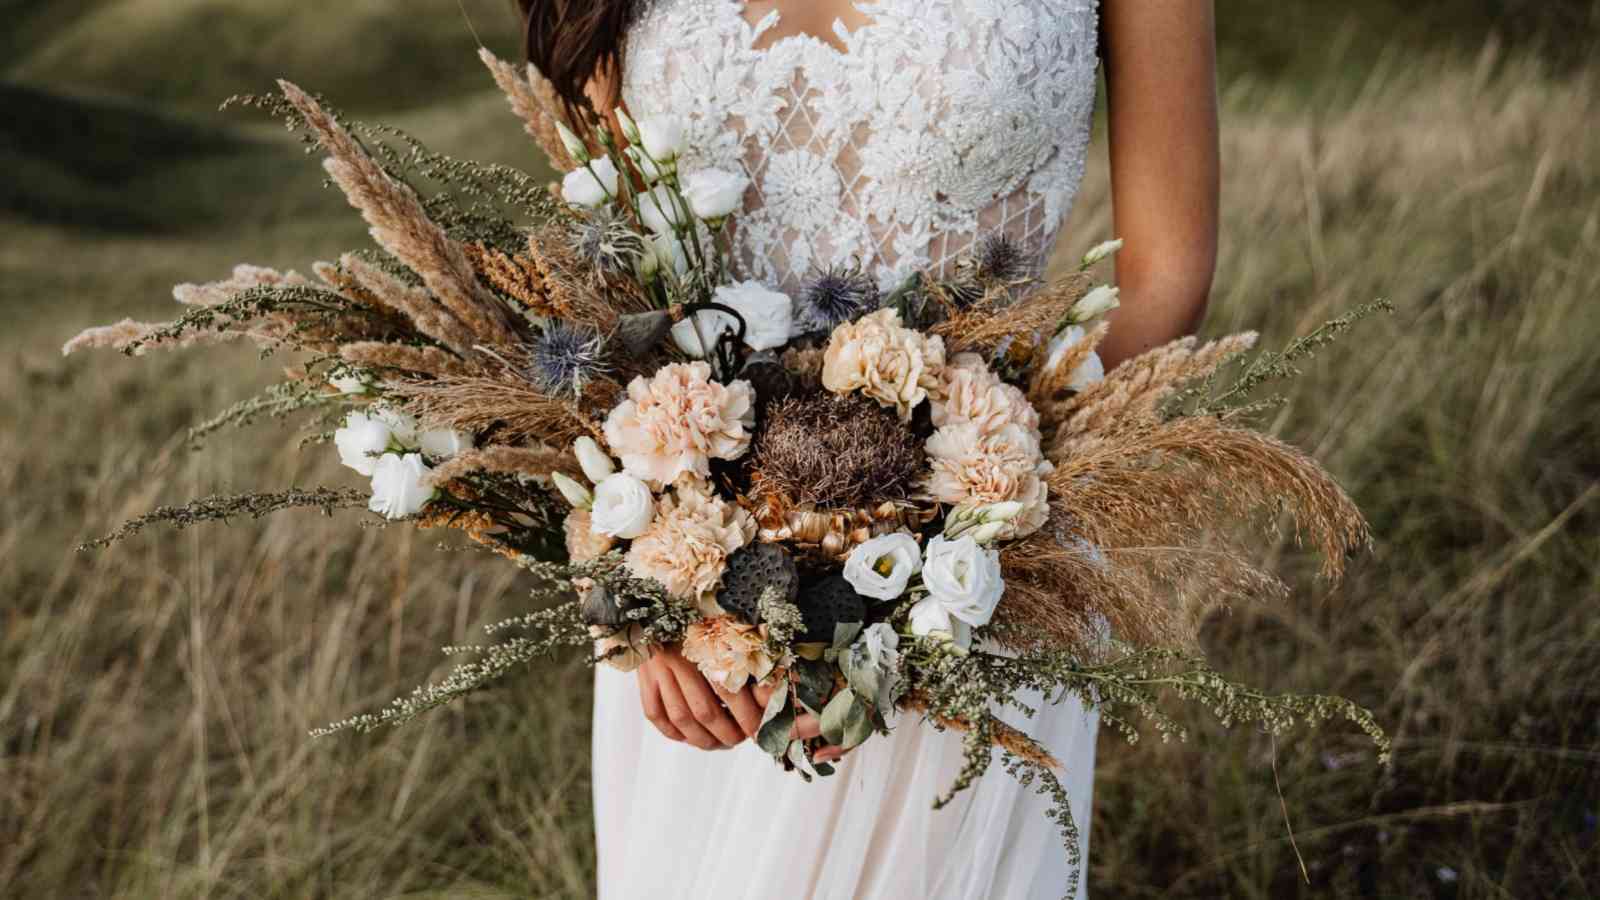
703 705
679 714
829 754
807 726
744 708
654 710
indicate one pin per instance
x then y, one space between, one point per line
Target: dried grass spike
531 104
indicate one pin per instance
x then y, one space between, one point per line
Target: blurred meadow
154 698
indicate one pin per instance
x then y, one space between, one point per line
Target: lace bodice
940 123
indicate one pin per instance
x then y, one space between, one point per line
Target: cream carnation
972 394
687 547
677 421
728 652
583 542
876 355
622 649
968 466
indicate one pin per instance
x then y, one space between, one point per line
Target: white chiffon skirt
672 821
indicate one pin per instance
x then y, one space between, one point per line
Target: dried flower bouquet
923 500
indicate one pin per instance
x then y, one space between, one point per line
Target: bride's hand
806 727
684 706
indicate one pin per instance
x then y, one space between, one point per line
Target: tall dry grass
154 699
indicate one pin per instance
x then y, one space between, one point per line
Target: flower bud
596 463
630 128
1101 253
989 531
576 148
576 494
1002 512
1098 302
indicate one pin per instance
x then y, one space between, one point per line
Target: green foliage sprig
222 507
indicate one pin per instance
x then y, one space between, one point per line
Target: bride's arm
1160 64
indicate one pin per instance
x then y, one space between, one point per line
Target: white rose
1101 252
661 137
659 210
1088 373
597 464
623 507
591 185
1097 302
964 578
360 441
443 443
403 428
882 567
714 194
399 486
930 618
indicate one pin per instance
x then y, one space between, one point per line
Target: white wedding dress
939 124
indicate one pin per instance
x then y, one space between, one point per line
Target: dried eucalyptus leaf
813 683
836 716
776 724
845 634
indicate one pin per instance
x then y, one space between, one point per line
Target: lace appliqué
940 123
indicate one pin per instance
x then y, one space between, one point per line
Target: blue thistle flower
1000 258
567 357
835 296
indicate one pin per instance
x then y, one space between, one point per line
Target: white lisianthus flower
659 210
930 618
714 194
360 441
669 254
351 385
400 486
623 507
1088 373
1097 302
768 315
1101 252
443 443
576 494
591 185
695 335
662 138
882 567
576 148
403 429
597 464
964 578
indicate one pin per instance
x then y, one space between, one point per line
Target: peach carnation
622 649
583 543
728 652
892 364
971 393
971 467
687 547
677 421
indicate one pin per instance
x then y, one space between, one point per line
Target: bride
895 135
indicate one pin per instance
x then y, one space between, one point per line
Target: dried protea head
566 357
835 296
606 241
830 451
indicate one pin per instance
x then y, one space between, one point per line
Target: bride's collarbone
817 19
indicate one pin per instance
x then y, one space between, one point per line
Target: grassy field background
154 698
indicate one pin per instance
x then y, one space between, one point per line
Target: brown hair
574 42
